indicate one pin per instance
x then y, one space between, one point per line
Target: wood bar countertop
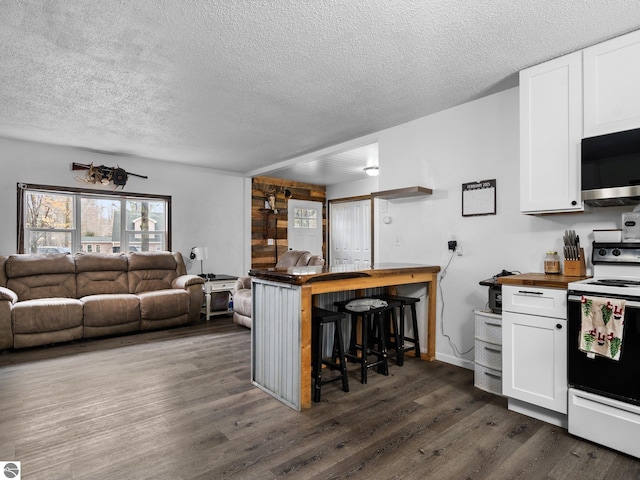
541 280
325 273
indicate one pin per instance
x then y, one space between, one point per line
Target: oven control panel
628 253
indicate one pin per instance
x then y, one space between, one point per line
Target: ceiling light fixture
371 171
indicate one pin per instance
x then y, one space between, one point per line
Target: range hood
611 169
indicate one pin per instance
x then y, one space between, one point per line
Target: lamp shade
200 253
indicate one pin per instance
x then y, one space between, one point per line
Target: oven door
618 379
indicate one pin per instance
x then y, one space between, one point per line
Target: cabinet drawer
488 355
488 327
544 302
219 287
488 379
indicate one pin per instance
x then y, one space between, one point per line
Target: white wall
353 189
208 207
475 141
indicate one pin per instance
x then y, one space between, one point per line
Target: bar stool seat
415 340
319 318
373 342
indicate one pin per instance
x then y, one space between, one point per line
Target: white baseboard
453 360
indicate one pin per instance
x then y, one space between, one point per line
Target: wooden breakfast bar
281 319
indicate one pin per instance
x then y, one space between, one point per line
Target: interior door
304 229
350 233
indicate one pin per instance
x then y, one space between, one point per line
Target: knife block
575 268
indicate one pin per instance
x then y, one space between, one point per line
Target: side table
217 284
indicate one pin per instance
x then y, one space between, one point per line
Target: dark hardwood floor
178 404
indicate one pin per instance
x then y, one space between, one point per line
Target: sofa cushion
181 267
293 258
151 271
3 276
315 261
41 276
46 315
99 274
111 314
162 304
111 309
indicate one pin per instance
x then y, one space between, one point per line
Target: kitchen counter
541 280
357 277
283 299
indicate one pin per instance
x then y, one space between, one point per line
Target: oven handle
578 298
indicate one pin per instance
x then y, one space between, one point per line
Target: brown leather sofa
242 292
61 297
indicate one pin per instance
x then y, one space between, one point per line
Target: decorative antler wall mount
104 175
271 192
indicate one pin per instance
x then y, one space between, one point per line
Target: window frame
79 192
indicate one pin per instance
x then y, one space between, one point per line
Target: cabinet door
550 135
534 360
611 85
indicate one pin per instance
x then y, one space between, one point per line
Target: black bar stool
411 303
320 318
373 342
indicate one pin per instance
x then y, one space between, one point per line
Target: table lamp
200 253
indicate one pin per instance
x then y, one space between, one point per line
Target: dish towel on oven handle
602 326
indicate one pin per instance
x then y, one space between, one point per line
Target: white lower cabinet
534 352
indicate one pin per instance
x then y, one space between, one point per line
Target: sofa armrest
184 281
193 285
242 283
7 299
8 295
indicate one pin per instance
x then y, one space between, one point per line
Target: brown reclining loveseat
61 297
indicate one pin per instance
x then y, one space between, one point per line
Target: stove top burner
615 282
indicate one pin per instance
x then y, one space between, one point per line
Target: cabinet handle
493 375
493 324
574 203
492 350
559 326
529 292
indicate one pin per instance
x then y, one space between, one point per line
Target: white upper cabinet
550 134
612 85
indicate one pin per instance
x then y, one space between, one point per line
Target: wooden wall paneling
262 254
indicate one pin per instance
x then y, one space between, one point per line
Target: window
305 218
59 220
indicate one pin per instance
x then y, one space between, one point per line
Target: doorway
304 230
350 232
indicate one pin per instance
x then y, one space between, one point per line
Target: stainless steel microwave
611 169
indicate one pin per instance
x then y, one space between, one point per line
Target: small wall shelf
402 193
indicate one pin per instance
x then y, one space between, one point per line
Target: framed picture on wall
479 198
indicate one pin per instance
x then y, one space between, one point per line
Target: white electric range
604 394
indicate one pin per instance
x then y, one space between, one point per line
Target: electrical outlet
452 244
459 251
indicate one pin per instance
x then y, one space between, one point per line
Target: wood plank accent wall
263 222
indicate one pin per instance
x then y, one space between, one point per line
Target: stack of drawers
488 351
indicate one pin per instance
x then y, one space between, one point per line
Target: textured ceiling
239 85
